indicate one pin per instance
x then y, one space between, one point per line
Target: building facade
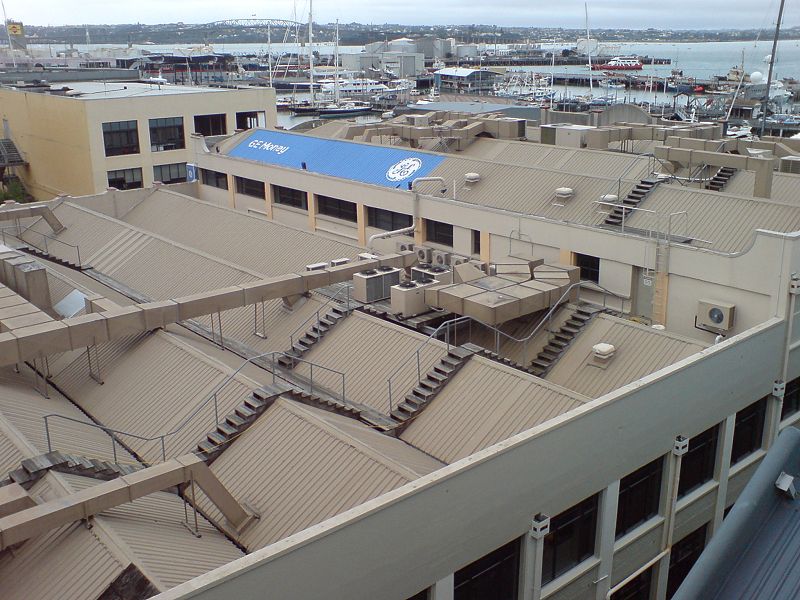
89 136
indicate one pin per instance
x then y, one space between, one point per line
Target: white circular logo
403 169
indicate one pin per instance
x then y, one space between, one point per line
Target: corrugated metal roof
485 403
784 186
67 563
25 408
376 165
727 222
255 243
368 350
298 466
151 528
151 389
640 351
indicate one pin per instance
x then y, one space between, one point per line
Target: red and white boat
619 63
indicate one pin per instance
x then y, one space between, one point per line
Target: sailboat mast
311 48
771 64
336 68
588 45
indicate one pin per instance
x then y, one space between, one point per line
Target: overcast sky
683 14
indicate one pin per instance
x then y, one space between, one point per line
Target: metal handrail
318 311
213 396
498 333
45 237
625 173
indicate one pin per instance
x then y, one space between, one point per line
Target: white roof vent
564 193
610 198
658 327
603 351
472 177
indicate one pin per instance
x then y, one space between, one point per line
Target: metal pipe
388 234
636 573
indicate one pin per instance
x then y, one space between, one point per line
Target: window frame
291 197
588 270
586 511
791 399
249 187
387 220
126 185
632 510
703 449
119 134
439 232
178 177
337 208
756 410
161 125
213 178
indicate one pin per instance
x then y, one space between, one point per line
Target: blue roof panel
387 167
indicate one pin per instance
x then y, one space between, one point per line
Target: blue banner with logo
388 167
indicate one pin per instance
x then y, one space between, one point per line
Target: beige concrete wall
62 137
52 134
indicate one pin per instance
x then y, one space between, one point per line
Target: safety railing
317 315
446 327
212 399
616 188
45 241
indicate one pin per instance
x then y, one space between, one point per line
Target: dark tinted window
214 178
476 241
166 134
339 209
571 539
697 465
439 233
250 187
638 588
125 179
387 220
174 173
493 577
639 495
289 197
791 399
121 137
210 124
590 267
749 430
683 556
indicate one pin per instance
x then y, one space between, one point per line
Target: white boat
353 87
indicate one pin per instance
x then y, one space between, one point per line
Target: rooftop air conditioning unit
339 261
790 164
440 258
391 276
368 286
717 316
440 273
405 246
316 267
423 254
367 256
408 298
458 260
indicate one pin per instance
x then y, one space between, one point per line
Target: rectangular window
289 197
638 588
697 465
683 556
174 173
250 119
125 179
387 220
250 187
476 242
493 577
214 179
439 233
590 267
121 137
639 495
791 399
571 539
166 134
749 430
210 124
339 209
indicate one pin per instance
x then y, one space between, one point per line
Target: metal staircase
33 250
562 339
9 154
32 469
312 336
718 182
432 383
631 201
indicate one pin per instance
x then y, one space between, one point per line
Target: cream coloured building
80 138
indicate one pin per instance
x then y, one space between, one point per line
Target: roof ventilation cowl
472 177
603 351
564 193
609 198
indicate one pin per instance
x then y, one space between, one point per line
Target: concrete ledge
272 288
86 330
47 338
159 314
9 349
124 320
